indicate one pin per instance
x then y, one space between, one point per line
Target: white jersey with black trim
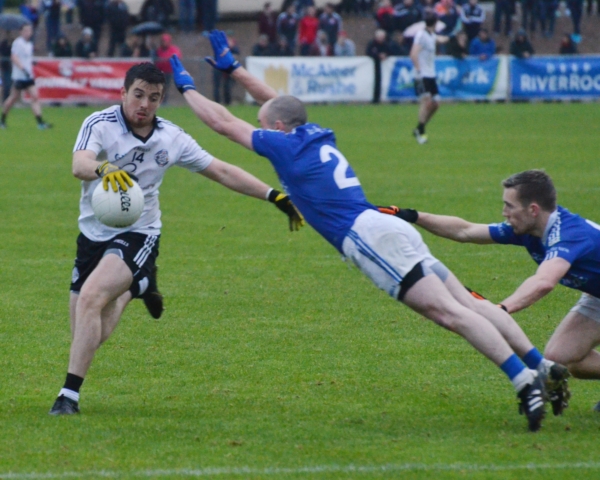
107 134
427 41
23 50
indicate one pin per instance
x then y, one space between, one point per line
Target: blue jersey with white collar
567 236
316 176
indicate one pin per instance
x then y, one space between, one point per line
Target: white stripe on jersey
89 124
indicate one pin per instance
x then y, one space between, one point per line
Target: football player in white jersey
422 55
115 265
21 56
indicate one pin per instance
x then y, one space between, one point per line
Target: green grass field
273 358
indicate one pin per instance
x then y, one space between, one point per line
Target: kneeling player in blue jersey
322 185
564 245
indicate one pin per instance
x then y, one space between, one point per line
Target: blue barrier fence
556 77
500 78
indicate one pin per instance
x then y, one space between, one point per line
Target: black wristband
503 307
408 215
232 67
273 194
184 88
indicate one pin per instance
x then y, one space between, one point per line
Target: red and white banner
68 80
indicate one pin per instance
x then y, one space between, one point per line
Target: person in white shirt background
22 76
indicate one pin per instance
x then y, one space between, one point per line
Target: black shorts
137 250
24 84
426 85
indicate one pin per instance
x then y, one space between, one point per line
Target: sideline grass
272 353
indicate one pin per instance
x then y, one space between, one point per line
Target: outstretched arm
219 119
243 182
236 179
258 89
543 282
215 116
455 228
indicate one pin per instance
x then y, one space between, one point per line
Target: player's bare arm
15 60
219 119
85 164
236 179
87 167
455 228
414 56
539 285
211 113
259 90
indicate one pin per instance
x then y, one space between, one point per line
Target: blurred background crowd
377 28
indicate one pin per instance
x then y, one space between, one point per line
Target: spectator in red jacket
307 31
267 23
385 16
166 50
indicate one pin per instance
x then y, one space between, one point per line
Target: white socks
69 394
526 377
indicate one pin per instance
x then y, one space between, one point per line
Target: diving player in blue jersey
564 245
324 188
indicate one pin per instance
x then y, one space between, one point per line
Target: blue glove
223 58
183 80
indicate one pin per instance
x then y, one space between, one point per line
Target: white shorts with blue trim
588 306
385 248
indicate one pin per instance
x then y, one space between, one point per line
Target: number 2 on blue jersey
327 153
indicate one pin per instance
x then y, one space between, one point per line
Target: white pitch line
360 469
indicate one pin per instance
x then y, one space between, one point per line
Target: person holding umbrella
147 32
22 77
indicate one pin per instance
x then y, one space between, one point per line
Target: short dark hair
430 19
288 110
533 186
148 72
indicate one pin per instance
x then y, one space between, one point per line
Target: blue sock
533 358
512 366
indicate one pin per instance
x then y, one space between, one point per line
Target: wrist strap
232 67
100 167
272 195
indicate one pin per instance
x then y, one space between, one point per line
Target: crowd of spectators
300 29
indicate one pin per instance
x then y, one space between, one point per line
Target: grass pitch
273 359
